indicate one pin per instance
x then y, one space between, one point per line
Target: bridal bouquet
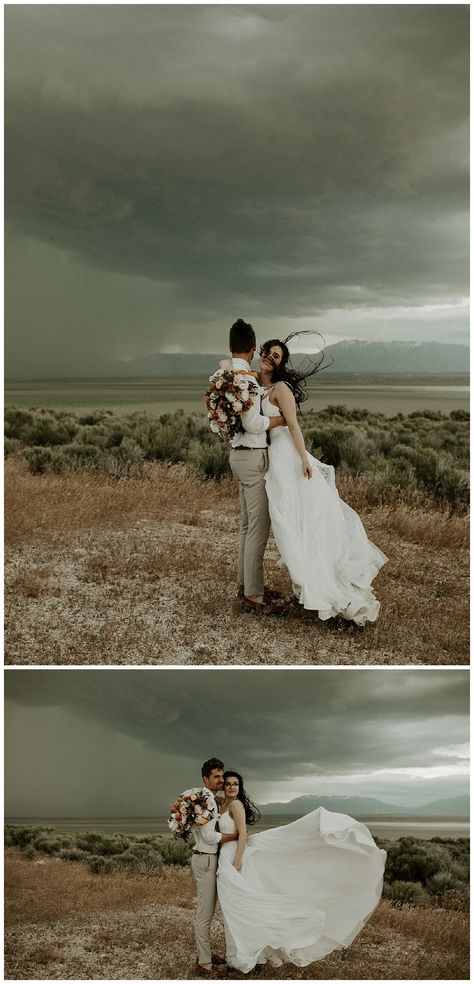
229 395
194 806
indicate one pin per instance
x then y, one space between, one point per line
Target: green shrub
125 461
145 861
73 854
96 842
209 460
21 836
425 452
48 845
409 860
16 422
176 852
10 446
77 456
38 459
444 881
47 432
98 864
405 892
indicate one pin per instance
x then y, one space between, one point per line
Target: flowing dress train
304 889
322 541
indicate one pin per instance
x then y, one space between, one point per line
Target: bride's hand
307 470
237 865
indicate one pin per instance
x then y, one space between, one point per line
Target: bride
294 893
322 541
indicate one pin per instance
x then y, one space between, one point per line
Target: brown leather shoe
218 961
266 608
271 595
204 972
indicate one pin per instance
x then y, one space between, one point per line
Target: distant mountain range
363 806
348 357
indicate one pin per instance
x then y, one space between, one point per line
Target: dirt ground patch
64 923
143 572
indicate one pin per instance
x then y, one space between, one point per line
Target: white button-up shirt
255 424
206 836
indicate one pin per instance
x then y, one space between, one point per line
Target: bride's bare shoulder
282 387
235 808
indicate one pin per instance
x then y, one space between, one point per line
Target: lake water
390 828
388 394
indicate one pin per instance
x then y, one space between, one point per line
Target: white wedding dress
322 541
304 889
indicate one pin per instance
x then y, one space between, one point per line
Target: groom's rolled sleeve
253 421
209 833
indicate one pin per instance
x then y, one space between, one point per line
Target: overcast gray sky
172 167
125 742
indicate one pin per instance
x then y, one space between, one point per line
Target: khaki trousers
249 468
204 867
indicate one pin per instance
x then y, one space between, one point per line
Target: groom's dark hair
209 766
242 337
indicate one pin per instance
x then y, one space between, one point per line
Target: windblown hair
252 812
241 337
295 378
208 766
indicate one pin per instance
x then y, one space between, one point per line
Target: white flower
223 417
238 406
215 427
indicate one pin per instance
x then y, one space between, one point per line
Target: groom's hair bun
210 765
241 337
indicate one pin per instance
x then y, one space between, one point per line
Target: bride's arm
237 813
287 405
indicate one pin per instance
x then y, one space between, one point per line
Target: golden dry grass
144 572
64 922
41 892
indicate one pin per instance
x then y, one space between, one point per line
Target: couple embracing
322 541
289 894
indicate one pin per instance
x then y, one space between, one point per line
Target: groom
204 867
248 461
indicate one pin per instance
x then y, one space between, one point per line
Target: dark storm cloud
279 723
281 160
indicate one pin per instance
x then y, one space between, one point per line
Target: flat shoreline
389 394
389 828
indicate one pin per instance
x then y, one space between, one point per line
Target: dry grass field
63 922
142 571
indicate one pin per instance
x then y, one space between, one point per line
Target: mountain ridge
452 806
349 357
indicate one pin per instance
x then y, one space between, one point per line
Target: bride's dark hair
296 378
252 812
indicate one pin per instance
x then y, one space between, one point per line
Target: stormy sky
125 742
172 167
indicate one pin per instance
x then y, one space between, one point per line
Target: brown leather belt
241 447
206 854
